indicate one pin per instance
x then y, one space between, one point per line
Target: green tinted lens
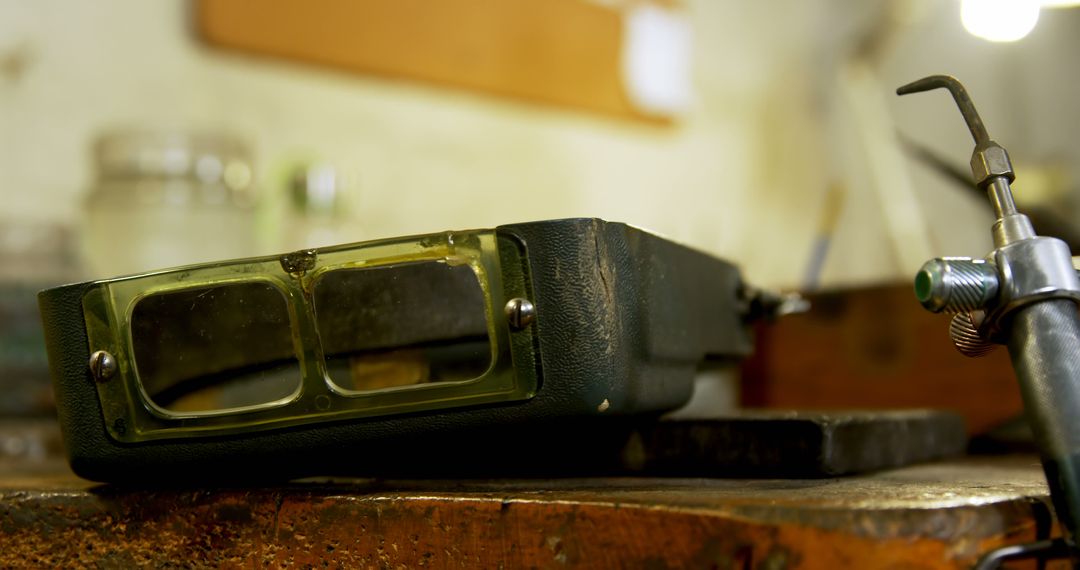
353 331
402 325
214 348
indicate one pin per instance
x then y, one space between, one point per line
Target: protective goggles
387 327
243 362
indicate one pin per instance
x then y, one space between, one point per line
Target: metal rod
1001 198
1043 550
960 95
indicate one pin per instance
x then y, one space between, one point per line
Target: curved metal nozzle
963 100
990 165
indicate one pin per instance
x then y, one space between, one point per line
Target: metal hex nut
991 161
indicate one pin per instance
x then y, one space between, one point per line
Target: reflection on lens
215 348
403 325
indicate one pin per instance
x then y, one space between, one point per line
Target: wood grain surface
925 517
876 348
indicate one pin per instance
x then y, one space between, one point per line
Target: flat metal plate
750 444
796 444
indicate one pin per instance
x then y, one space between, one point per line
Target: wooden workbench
940 515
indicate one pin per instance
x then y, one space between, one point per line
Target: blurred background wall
787 100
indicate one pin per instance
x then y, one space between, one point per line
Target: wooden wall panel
565 52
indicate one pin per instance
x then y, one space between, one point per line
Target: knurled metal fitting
956 284
966 337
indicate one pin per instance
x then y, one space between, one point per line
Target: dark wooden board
930 516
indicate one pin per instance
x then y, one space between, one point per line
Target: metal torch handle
1044 344
1030 298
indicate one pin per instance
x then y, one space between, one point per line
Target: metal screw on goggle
519 313
102 366
299 262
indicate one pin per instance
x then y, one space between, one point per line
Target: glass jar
315 207
164 199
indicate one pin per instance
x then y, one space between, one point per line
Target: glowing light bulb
999 20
